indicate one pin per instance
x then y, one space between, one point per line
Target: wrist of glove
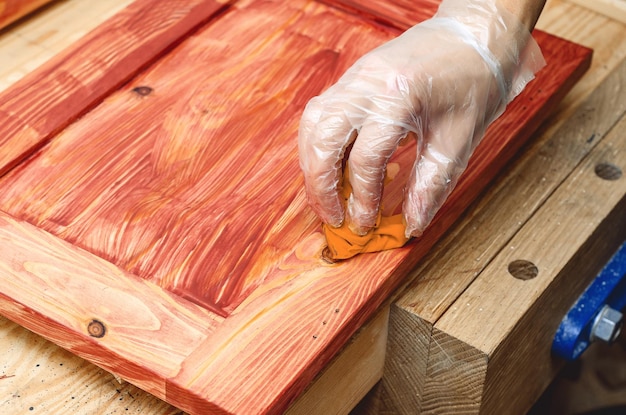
442 81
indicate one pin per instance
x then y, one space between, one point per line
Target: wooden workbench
434 353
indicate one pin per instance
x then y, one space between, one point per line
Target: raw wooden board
581 209
11 10
464 254
204 270
38 37
615 9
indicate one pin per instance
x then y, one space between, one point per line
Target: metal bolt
607 325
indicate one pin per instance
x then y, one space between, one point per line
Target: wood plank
605 36
78 79
33 41
122 323
38 374
12 10
355 370
498 312
614 9
464 254
177 184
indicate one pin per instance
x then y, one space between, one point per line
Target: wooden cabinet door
153 218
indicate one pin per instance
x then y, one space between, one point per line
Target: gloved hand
444 80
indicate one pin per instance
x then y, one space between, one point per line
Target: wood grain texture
12 10
194 186
34 374
614 9
355 370
466 252
125 324
78 79
498 312
455 377
34 40
398 13
224 143
402 386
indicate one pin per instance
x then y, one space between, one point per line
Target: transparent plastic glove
444 80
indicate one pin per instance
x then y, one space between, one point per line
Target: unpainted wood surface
614 9
34 40
172 181
562 152
605 36
522 190
11 10
588 211
37 374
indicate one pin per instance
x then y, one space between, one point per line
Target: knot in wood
96 329
142 90
326 256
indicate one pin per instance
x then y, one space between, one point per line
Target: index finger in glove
325 132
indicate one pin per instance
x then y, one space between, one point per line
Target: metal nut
607 325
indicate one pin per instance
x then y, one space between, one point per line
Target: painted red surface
12 10
186 182
49 99
397 13
188 177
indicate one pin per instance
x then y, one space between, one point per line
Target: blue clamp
597 312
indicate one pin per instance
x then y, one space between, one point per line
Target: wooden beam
466 253
501 328
614 9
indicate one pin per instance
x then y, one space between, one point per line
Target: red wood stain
47 100
196 185
188 177
397 13
11 10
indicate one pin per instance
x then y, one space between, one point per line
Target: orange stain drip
388 233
